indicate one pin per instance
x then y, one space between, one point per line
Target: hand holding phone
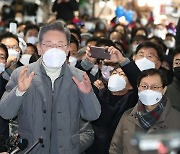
99 52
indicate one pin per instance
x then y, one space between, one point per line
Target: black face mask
177 73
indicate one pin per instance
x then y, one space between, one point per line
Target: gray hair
54 26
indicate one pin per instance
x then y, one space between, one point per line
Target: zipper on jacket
52 90
52 107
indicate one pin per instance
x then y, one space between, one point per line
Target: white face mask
54 58
2 67
32 40
134 46
13 53
143 21
149 97
144 64
72 60
169 44
21 34
116 83
105 70
25 59
18 19
94 70
159 33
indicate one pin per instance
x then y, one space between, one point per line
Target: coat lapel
65 83
38 79
165 113
159 124
132 116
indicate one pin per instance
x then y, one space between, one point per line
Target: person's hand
24 81
85 85
116 55
99 84
88 55
11 61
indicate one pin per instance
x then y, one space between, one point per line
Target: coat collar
133 118
39 71
165 112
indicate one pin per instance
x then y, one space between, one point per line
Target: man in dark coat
173 90
65 9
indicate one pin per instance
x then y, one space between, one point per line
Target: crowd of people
52 88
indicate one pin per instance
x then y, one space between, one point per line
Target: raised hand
116 55
24 81
88 55
11 61
99 84
85 85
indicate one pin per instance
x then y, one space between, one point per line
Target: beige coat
129 125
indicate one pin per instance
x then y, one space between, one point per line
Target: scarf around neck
148 119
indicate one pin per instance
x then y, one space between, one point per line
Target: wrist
20 90
19 93
125 62
122 59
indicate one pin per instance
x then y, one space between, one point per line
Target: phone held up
99 52
13 28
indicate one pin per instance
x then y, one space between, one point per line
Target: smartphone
99 52
13 28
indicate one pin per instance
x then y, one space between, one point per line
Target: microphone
40 140
23 143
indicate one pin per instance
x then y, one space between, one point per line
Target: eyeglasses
153 87
50 45
148 56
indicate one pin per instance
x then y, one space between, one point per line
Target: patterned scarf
148 119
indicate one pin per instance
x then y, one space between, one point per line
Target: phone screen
13 28
99 52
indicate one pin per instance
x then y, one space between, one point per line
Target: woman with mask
170 42
118 97
30 55
152 114
73 52
31 34
173 90
160 31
